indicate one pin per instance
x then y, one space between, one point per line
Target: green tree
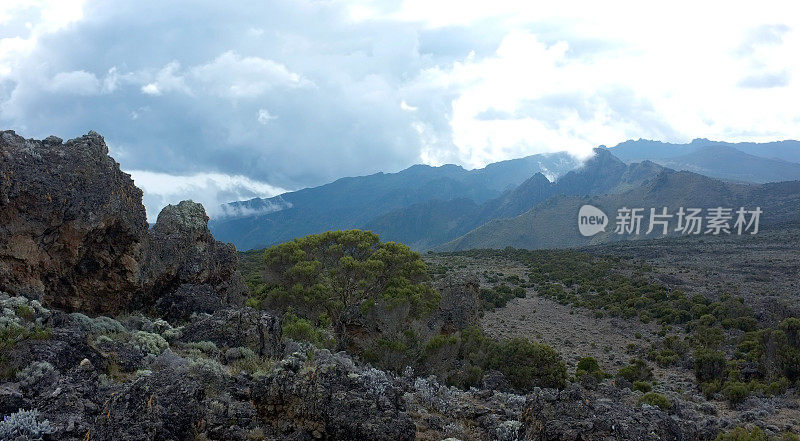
342 274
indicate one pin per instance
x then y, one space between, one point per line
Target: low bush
742 434
526 364
656 400
149 342
24 424
301 329
636 371
589 366
735 392
709 365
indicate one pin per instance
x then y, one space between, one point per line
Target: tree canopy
340 274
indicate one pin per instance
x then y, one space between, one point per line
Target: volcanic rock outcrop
180 250
74 233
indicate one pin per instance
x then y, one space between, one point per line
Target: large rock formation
181 250
74 234
71 223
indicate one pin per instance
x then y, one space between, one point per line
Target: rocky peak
181 250
187 216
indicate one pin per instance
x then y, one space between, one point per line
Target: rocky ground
762 269
229 375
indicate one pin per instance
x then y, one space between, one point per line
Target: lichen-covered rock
71 223
575 414
327 396
257 330
165 404
181 250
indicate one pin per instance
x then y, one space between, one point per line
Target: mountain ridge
352 202
553 223
424 205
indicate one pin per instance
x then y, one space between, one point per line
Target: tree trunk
340 329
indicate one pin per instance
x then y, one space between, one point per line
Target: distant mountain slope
724 162
744 162
553 224
352 202
432 223
641 149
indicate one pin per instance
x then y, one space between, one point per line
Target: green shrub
439 341
345 274
467 376
25 312
742 434
588 364
206 347
710 388
642 386
149 342
301 329
709 365
636 371
39 333
526 364
656 399
98 325
667 357
735 392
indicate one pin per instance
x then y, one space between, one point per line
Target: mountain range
355 201
530 202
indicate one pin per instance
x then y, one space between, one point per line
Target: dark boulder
257 330
163 405
578 415
180 304
327 396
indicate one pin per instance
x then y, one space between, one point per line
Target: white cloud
151 89
54 15
362 86
231 75
168 79
673 79
210 189
77 82
405 106
264 116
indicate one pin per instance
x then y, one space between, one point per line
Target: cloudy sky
219 101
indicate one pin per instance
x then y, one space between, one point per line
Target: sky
220 101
